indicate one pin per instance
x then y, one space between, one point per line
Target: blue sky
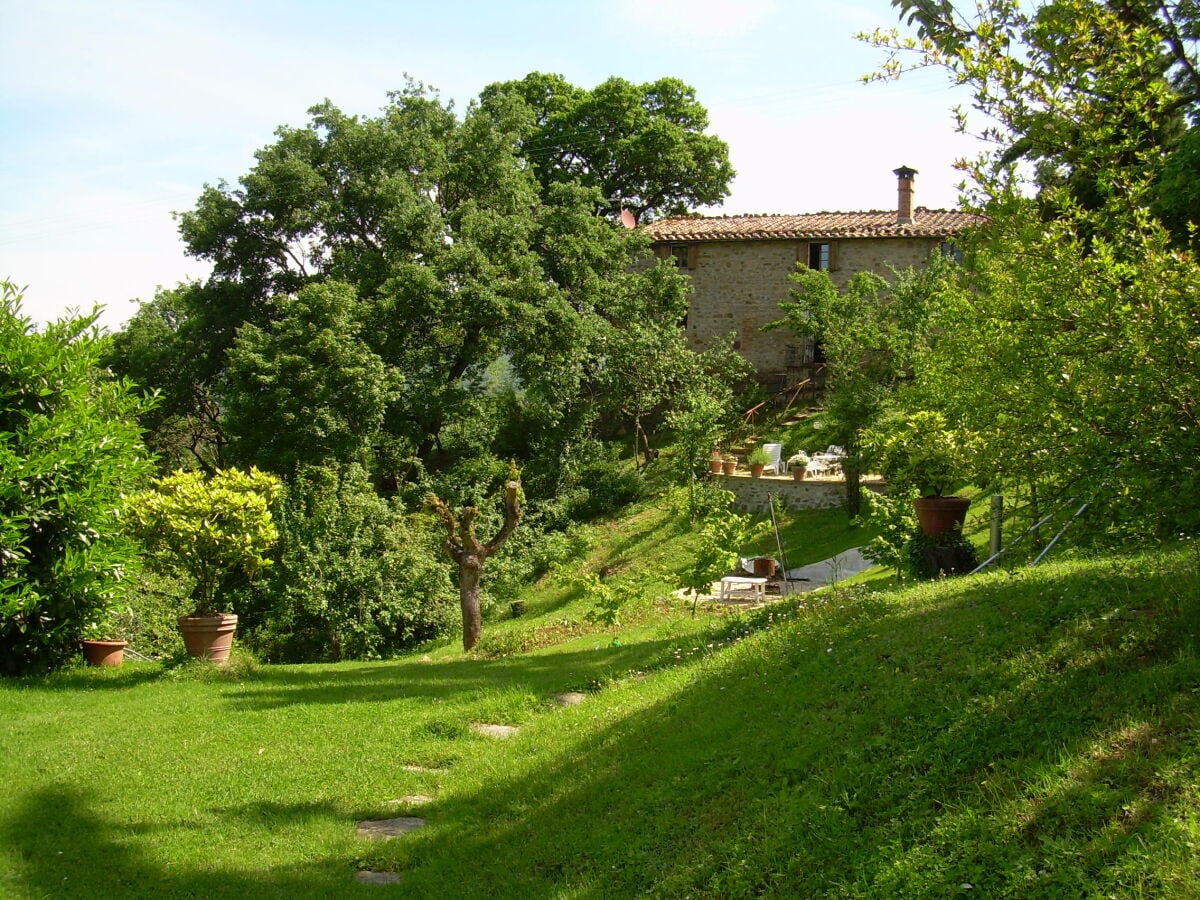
114 114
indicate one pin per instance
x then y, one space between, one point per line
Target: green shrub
69 447
599 482
356 578
209 529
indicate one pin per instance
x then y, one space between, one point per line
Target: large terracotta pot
798 473
104 653
729 466
764 567
756 469
715 465
209 637
937 515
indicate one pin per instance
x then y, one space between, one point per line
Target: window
818 257
684 255
951 251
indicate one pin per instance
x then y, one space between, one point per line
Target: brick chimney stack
904 195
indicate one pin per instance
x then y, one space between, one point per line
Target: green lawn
1029 733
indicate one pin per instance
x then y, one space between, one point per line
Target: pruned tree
465 548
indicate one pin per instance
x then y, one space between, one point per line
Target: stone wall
738 285
750 494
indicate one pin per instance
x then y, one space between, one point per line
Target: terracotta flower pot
756 469
798 473
209 637
937 515
729 466
104 653
716 465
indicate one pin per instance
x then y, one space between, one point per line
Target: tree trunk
469 571
853 477
464 547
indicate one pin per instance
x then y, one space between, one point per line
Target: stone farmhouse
739 268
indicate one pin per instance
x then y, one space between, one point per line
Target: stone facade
739 267
752 494
738 286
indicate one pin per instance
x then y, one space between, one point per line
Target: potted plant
757 461
100 649
207 529
729 464
716 462
798 464
925 454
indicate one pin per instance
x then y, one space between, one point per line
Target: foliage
892 515
871 333
721 541
1067 343
166 349
921 452
356 578
606 599
442 251
307 389
947 553
799 460
698 425
207 528
640 147
758 457
69 446
148 614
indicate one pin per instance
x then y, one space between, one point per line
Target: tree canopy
1067 342
415 250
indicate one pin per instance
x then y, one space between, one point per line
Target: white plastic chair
775 452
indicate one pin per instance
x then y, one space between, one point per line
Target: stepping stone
410 800
415 768
496 731
570 698
378 877
385 829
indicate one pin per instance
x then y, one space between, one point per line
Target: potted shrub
757 461
208 530
798 464
729 464
716 462
925 454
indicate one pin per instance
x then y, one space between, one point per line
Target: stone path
367 877
496 731
570 698
386 829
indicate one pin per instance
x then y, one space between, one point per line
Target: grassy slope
1028 734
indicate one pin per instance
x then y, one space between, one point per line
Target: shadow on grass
1025 746
577 670
59 844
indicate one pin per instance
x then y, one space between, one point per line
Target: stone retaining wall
750 494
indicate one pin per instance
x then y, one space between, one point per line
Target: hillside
1029 733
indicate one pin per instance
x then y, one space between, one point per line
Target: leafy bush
356 578
599 483
147 616
69 447
207 528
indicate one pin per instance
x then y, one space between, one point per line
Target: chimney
904 195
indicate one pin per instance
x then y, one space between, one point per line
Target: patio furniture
775 451
743 583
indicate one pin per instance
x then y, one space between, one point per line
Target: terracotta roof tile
873 224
